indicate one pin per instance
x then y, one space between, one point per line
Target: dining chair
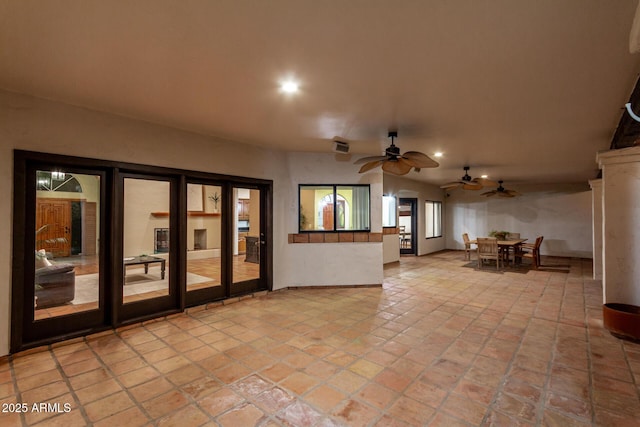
403 236
532 251
488 250
467 246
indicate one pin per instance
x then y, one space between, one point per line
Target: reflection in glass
67 230
204 230
246 259
389 211
146 257
329 207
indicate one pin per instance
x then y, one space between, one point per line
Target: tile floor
438 344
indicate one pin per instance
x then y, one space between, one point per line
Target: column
621 225
596 218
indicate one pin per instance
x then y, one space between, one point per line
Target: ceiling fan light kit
395 163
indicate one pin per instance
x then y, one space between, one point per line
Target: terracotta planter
622 320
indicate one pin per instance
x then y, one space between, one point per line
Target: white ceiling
525 91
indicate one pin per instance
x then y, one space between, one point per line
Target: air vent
340 147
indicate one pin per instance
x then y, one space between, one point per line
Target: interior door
408 224
248 269
53 226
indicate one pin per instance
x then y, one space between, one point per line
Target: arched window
325 212
57 181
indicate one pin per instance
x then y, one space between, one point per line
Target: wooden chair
534 252
488 249
467 246
404 242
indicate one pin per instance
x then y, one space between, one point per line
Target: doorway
408 225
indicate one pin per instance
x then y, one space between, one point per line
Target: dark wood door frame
413 202
25 333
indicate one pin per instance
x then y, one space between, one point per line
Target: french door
98 244
59 274
146 282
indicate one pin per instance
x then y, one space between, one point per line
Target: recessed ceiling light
289 86
438 154
484 176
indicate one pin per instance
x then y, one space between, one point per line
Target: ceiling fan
467 183
501 192
395 163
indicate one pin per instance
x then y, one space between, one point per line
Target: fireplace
161 240
199 239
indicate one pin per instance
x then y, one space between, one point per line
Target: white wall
621 225
405 187
560 213
28 123
307 264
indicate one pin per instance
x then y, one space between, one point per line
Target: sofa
55 285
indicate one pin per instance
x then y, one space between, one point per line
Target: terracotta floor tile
188 416
98 391
437 344
274 399
131 417
165 403
139 376
464 408
325 397
108 406
220 401
299 414
298 382
150 389
377 395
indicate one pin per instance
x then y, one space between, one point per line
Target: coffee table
145 260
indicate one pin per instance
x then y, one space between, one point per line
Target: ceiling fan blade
399 167
450 185
370 165
485 182
369 159
505 194
489 193
512 193
419 160
472 186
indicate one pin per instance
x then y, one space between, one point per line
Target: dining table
506 247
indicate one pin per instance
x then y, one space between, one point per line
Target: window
334 208
433 219
389 211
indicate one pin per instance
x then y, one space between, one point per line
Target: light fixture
437 154
484 176
57 176
289 86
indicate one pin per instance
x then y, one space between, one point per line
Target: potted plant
500 235
215 198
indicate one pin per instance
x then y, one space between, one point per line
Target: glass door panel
67 268
204 242
248 240
146 239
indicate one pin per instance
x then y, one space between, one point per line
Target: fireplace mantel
166 214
